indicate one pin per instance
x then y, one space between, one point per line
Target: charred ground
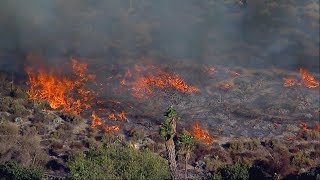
231 67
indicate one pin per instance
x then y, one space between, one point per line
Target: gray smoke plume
262 33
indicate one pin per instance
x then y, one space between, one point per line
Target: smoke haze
259 34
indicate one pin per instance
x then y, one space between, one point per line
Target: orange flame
122 115
289 82
317 126
290 138
308 80
59 91
96 121
225 86
303 126
112 116
143 86
200 134
111 129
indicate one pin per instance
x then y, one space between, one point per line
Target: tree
12 170
117 161
186 144
168 131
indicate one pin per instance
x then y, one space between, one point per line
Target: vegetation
300 159
235 171
186 143
32 137
168 131
12 170
117 161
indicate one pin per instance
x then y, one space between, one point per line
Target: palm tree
168 131
186 144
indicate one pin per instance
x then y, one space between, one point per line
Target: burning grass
307 80
200 134
143 81
61 92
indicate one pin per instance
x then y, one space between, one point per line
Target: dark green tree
186 143
168 131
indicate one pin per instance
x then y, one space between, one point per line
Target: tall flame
200 134
61 92
308 80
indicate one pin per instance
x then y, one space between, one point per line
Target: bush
300 159
235 171
12 170
117 162
72 118
212 164
17 109
19 93
236 145
39 104
5 103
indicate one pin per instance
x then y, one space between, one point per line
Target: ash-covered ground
231 101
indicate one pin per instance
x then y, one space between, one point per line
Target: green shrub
300 159
39 104
236 145
5 103
117 162
235 171
212 164
12 170
252 145
17 109
19 93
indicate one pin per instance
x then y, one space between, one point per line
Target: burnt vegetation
144 114
42 143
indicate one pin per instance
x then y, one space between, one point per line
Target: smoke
263 33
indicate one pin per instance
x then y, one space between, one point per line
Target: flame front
143 85
111 129
96 121
308 80
61 92
200 134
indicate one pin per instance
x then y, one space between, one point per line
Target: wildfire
317 126
122 115
303 126
61 92
111 129
225 86
308 80
200 134
96 121
289 82
112 116
143 85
